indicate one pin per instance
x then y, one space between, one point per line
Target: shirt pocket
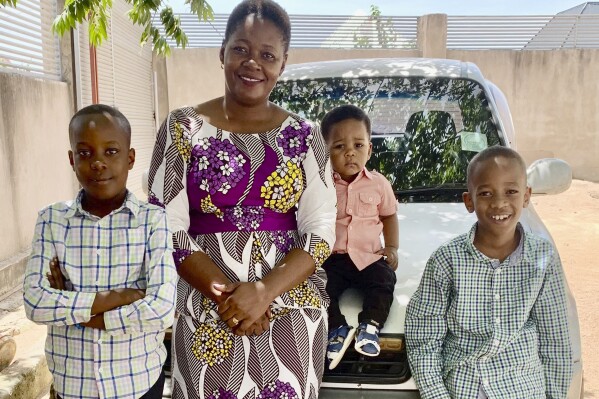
368 204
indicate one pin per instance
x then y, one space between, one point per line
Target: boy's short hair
341 113
491 152
100 109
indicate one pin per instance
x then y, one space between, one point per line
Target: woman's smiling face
253 58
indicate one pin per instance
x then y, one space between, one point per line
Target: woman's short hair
341 113
265 9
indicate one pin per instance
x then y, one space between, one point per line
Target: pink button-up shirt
360 205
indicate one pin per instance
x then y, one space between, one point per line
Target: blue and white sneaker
339 340
367 340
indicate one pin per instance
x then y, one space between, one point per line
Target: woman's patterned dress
246 200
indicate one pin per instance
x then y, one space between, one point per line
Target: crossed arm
103 301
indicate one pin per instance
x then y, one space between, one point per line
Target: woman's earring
222 66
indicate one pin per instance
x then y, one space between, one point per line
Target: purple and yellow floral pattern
207 206
278 390
305 296
295 140
216 165
321 253
283 188
182 141
242 193
222 393
211 343
283 240
246 218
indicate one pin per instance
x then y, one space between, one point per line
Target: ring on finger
234 321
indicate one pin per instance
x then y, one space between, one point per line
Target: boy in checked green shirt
489 319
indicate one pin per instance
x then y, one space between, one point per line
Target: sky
406 8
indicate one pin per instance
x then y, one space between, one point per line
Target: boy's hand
55 277
97 321
390 255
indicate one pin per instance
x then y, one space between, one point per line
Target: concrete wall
554 100
34 166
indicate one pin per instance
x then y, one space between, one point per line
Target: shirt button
485 382
497 297
496 342
98 252
497 320
498 271
370 199
348 248
349 210
100 370
350 227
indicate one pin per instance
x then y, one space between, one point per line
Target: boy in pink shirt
366 206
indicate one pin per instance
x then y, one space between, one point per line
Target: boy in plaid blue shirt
489 319
101 273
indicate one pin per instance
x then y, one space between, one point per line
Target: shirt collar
131 205
514 257
364 172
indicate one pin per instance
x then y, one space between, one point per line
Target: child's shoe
367 340
339 340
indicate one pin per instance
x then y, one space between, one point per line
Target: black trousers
154 393
376 282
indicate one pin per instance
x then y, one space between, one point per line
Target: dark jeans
154 393
376 282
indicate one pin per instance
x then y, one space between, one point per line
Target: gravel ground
572 218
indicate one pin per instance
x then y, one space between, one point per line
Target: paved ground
573 219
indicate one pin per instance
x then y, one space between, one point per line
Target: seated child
366 206
489 318
101 273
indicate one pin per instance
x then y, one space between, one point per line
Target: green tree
385 34
386 37
96 13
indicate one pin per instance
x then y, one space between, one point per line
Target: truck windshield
424 130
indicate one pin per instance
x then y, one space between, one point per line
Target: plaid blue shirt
504 326
129 248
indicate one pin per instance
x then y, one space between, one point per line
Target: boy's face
101 158
350 148
497 192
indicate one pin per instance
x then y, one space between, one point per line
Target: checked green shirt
474 322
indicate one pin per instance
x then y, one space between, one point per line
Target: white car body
425 226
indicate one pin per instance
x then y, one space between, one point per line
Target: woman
250 198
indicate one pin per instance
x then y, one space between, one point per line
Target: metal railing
309 31
463 32
27 45
523 32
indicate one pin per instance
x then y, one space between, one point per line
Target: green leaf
8 3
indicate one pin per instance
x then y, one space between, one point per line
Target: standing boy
101 273
366 206
489 317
